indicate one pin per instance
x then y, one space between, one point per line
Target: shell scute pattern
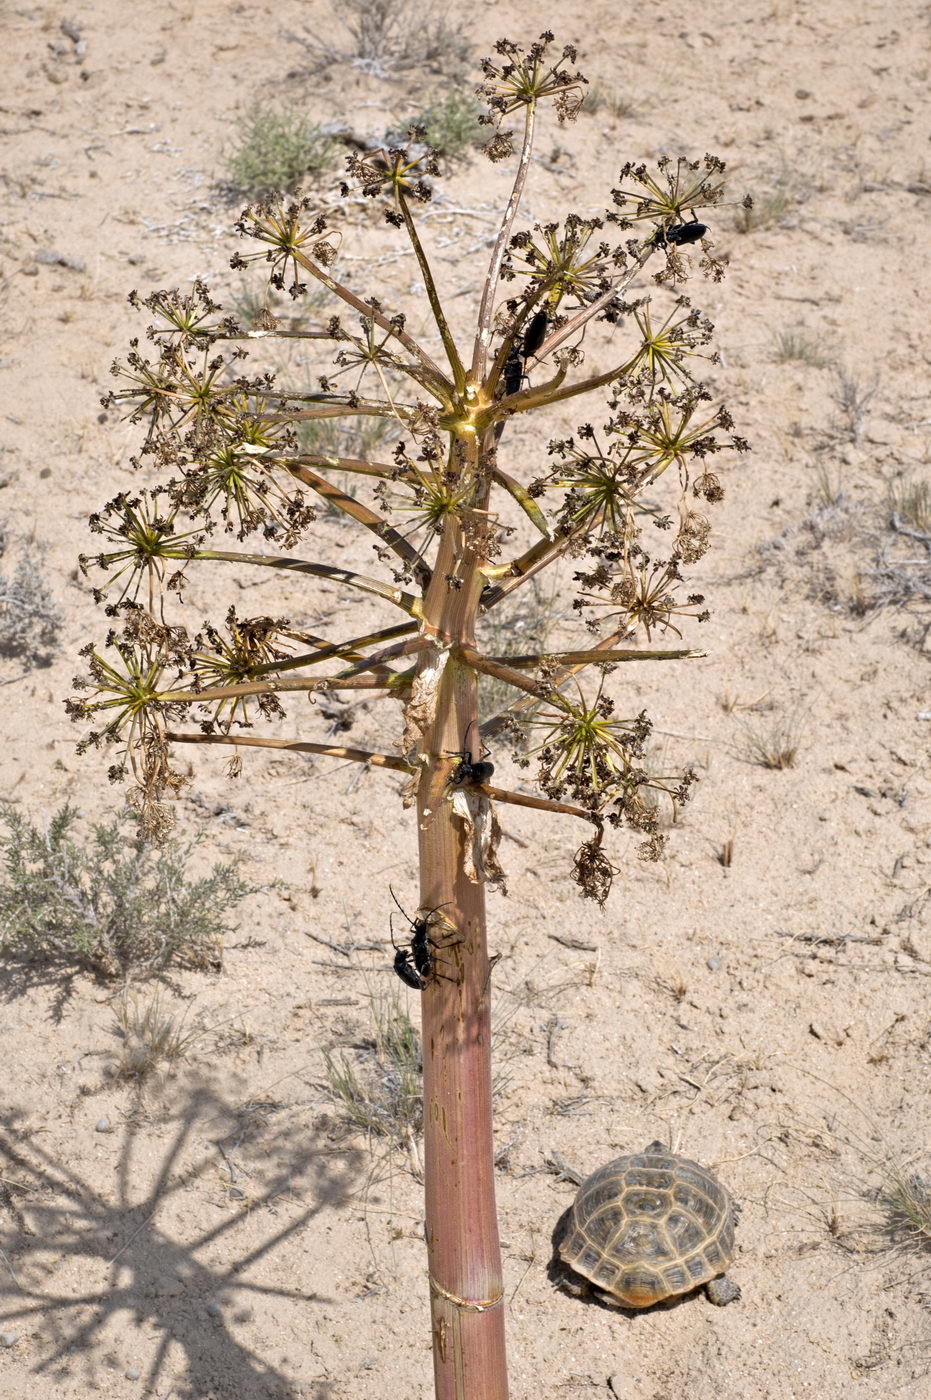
649 1226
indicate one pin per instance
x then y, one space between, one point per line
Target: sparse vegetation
386 37
451 124
109 902
30 619
853 397
380 1089
774 746
910 505
795 343
905 1199
149 1036
769 206
600 99
274 151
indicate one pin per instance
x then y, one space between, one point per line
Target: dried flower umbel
623 497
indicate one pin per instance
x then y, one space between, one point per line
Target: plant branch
369 518
386 470
493 726
540 804
348 650
582 317
375 760
538 689
524 499
438 384
439 316
519 570
274 687
490 289
408 602
593 657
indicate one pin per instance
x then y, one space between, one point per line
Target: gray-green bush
109 902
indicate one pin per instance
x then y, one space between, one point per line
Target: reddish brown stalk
466 1285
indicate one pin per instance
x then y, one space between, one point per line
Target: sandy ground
228 1237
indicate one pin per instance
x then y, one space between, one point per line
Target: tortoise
647 1227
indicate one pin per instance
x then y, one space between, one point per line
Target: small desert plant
386 37
616 510
380 1089
798 344
111 902
149 1036
600 98
451 124
769 206
275 150
910 506
853 397
905 1199
30 620
774 746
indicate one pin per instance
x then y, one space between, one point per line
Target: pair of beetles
415 961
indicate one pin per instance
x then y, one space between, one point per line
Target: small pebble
712 963
132 1374
50 258
8 1339
215 1309
102 1125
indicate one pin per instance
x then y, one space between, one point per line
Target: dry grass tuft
380 1090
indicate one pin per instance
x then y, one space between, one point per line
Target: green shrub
452 125
111 903
274 151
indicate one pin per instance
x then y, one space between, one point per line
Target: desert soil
759 998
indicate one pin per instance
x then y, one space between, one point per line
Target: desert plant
387 37
451 124
274 150
149 1036
600 98
905 1199
910 507
380 1088
30 619
458 533
796 343
853 397
111 902
775 746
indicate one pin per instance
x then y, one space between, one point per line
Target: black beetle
681 233
416 963
470 772
516 362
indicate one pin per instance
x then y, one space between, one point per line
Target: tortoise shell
650 1226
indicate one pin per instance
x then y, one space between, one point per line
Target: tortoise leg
607 1298
721 1291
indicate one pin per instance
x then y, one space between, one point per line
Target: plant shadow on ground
129 1271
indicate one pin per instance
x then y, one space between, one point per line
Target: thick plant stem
466 1286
